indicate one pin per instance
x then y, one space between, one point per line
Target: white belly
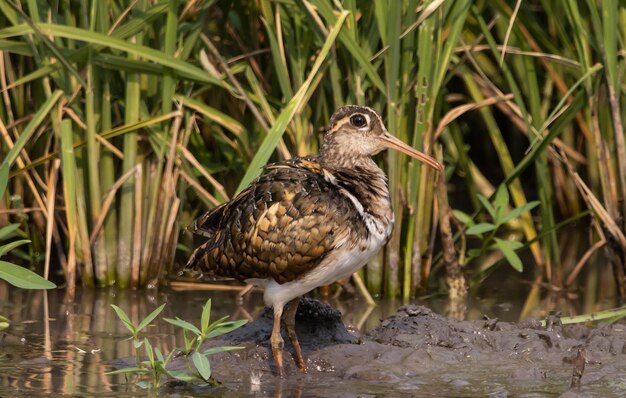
339 264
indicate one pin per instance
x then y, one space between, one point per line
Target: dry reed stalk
50 201
137 236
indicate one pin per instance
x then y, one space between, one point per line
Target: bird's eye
358 120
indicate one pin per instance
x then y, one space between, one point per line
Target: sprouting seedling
134 330
500 215
156 364
207 330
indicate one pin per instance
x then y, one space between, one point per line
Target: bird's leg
277 340
290 325
242 293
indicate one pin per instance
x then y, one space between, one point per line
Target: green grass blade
557 127
42 113
156 56
350 44
275 133
282 73
612 314
51 47
4 178
212 114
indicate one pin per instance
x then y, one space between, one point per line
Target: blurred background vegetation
123 120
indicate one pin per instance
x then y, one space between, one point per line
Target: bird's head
358 131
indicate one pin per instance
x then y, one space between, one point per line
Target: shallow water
53 347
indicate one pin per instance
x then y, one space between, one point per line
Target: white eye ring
358 120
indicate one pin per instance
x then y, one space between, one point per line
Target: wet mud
416 352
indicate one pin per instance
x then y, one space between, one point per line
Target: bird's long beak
394 143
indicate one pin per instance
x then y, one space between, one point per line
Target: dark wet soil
419 353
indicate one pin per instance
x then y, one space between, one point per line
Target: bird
307 221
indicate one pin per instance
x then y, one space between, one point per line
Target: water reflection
56 347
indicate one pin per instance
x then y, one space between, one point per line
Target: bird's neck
363 179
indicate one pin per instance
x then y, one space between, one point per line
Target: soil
416 352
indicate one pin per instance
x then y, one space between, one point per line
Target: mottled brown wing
281 226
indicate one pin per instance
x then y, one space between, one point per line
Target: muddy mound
420 353
419 328
318 325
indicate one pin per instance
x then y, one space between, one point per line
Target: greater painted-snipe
306 222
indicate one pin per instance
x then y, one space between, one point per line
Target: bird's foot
277 351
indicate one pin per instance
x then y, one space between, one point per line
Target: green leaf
226 327
4 178
128 370
500 202
149 350
144 384
217 350
480 228
502 197
515 213
125 320
159 355
206 316
188 341
4 323
464 218
6 232
513 244
146 321
216 324
22 277
508 250
490 209
10 246
169 356
184 324
180 375
202 365
473 253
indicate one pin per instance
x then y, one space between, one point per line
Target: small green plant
500 215
134 330
155 365
206 331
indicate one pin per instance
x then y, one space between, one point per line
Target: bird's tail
197 263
